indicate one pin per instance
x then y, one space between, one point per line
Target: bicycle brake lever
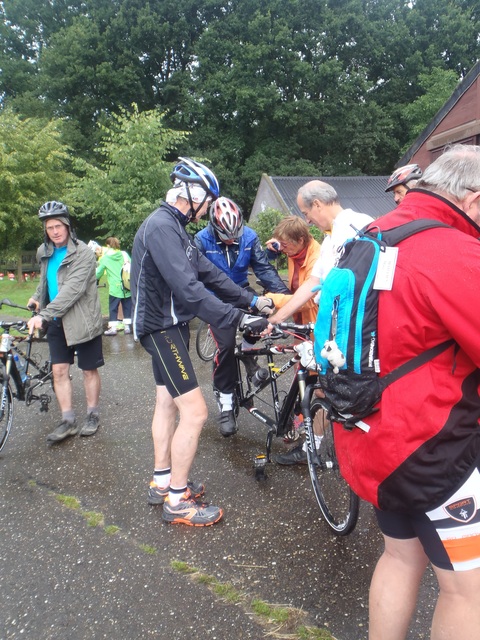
276 333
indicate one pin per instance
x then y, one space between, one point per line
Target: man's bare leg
92 386
63 386
457 614
175 446
394 588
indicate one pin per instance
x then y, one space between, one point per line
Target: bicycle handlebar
21 325
9 303
292 326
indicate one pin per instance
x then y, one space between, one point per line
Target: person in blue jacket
234 248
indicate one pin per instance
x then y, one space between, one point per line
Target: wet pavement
63 577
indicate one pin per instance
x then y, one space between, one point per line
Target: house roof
460 90
365 194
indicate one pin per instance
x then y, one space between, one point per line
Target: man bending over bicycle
171 280
234 248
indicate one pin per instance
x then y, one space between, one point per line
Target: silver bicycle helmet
403 175
226 218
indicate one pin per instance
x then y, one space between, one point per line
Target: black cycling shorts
171 362
89 354
449 534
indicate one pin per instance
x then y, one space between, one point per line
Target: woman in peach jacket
292 237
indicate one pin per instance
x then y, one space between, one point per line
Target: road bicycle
204 342
280 410
27 383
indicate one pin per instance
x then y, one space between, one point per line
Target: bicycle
17 384
204 342
338 504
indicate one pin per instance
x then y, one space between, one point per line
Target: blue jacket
237 258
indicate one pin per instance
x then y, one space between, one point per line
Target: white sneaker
127 329
110 332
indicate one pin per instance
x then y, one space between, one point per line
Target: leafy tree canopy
131 176
334 86
35 168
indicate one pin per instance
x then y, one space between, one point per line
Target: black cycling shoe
227 423
295 456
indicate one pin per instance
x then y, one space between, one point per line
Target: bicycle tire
338 504
205 344
7 419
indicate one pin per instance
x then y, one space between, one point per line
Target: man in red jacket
418 463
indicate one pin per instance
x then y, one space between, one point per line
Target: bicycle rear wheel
6 414
205 344
338 503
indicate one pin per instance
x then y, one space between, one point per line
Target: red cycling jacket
425 436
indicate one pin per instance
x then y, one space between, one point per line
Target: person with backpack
320 204
234 248
112 262
402 180
416 457
171 284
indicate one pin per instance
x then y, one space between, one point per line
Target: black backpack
346 348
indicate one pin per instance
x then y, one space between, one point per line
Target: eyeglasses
472 190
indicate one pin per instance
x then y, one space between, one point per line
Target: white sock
226 401
175 495
161 477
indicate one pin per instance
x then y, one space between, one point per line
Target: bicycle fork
305 403
3 402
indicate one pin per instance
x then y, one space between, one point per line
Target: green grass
20 292
93 518
282 621
69 501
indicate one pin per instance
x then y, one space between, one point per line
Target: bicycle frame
337 502
278 424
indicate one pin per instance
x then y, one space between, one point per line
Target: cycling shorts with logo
171 362
450 534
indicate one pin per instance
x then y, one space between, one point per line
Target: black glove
252 325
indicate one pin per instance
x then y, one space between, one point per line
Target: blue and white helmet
190 171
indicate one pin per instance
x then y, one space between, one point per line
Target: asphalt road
62 576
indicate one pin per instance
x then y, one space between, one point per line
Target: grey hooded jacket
77 302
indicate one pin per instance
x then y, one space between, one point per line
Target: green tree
438 85
35 168
323 86
132 175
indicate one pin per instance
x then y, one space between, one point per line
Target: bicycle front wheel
338 503
205 343
6 414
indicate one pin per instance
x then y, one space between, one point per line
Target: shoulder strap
417 361
393 236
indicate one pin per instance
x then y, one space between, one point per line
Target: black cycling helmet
226 218
188 170
403 175
53 209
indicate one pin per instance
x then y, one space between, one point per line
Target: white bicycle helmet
227 219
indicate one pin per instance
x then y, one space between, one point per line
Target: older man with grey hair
320 204
418 462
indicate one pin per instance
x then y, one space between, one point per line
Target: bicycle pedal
260 466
